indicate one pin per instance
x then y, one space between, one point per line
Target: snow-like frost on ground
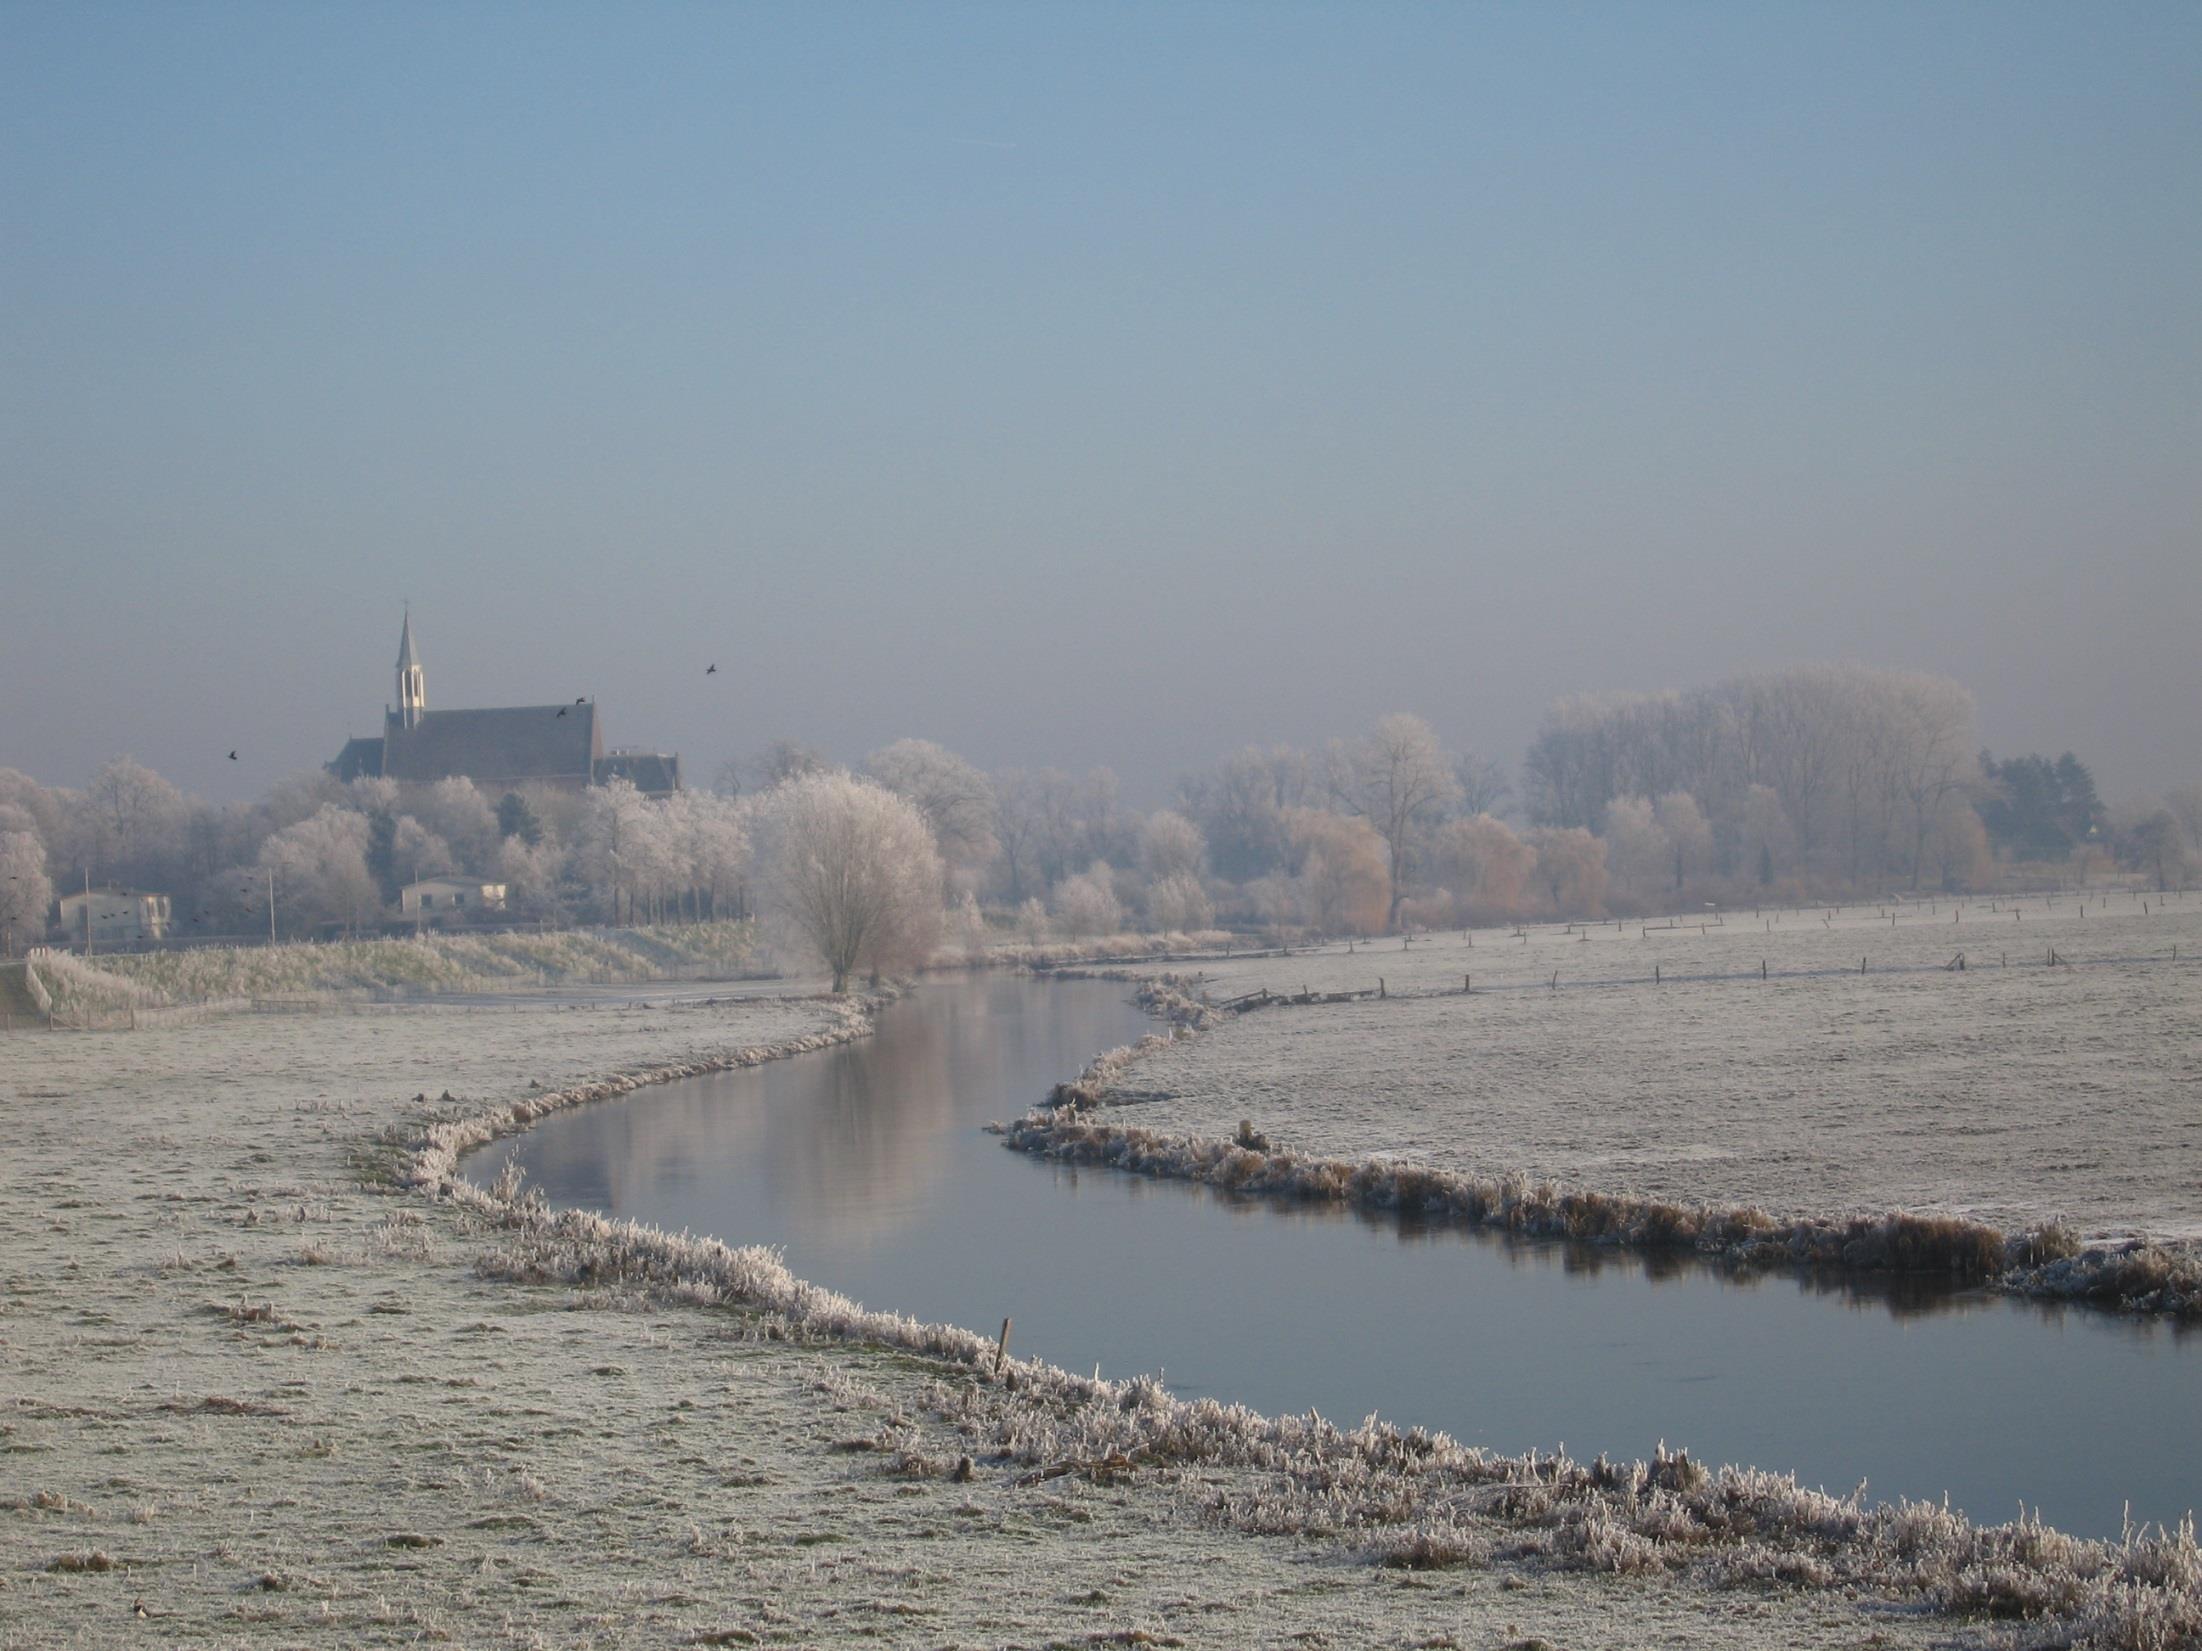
2013 1094
256 1392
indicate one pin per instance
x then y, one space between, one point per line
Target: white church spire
412 680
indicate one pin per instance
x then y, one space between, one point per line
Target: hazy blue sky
1090 384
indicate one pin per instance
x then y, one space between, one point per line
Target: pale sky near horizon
1080 384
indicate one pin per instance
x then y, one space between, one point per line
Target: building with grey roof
503 747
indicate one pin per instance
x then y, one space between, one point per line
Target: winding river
868 1166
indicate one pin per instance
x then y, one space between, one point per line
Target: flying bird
233 756
562 710
711 670
583 700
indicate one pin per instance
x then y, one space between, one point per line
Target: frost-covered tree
417 852
1484 786
1342 876
1638 855
1086 905
304 794
516 819
612 854
320 870
1958 848
788 760
132 816
714 846
1398 778
455 811
963 929
1769 845
2149 840
2185 803
955 798
1571 868
1930 753
1239 806
1179 903
25 891
1689 836
369 794
1485 865
851 870
530 873
46 810
1016 831
1170 845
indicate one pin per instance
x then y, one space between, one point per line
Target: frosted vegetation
1815 782
430 963
1647 1084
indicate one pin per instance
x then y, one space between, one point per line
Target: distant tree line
1797 783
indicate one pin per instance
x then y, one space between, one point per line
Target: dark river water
867 1165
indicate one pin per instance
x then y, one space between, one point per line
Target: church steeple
412 680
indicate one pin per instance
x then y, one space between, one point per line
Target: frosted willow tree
851 869
1486 866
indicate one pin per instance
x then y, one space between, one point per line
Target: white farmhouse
450 894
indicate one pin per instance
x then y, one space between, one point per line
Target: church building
500 748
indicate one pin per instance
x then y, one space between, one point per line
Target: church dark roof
653 773
509 745
506 746
361 759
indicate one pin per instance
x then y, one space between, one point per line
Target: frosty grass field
273 1377
2012 1093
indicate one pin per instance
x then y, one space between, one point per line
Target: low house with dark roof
500 748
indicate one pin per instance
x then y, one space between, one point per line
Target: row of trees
1867 769
1780 784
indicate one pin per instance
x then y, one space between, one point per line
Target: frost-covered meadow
2012 1092
257 1396
260 1392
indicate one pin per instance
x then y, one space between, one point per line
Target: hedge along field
2014 1095
430 963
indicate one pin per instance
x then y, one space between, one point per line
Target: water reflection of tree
844 1142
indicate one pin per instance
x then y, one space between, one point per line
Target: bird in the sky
233 756
711 670
563 709
583 700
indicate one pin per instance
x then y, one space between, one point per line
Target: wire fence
1962 962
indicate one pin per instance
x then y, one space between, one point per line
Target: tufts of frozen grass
2140 1276
2137 1275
